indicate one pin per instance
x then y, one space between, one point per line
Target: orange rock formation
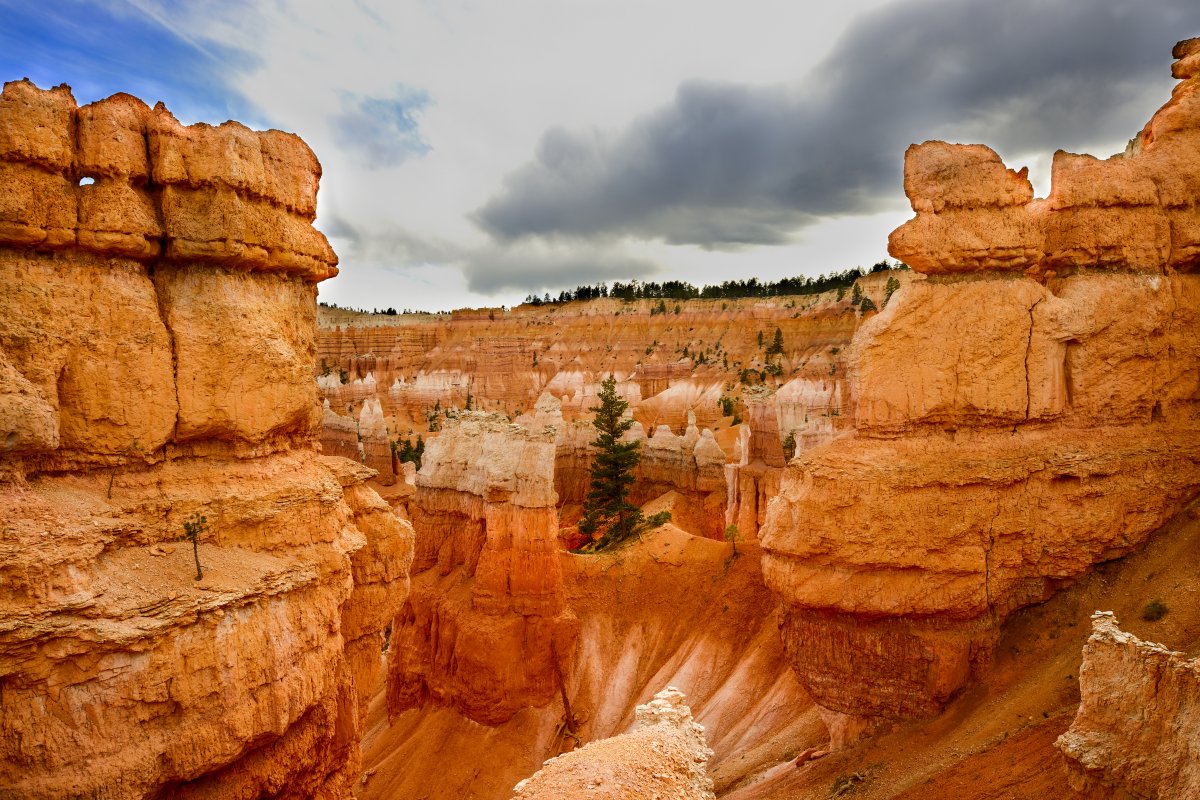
486 628
157 335
1137 733
1027 412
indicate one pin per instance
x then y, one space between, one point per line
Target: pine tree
607 510
776 345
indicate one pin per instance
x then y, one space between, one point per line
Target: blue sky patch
101 49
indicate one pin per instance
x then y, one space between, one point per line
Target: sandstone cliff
662 756
157 335
1137 733
1027 412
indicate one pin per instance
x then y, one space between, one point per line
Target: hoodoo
1026 412
157 335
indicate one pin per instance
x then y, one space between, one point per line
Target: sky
476 151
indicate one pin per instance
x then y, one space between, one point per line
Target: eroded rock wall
1137 732
157 334
1027 412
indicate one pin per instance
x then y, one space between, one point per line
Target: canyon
897 551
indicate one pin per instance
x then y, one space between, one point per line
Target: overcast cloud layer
726 164
476 151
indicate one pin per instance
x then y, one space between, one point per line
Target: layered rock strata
1137 732
157 335
1024 414
486 628
663 755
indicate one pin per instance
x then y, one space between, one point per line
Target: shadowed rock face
157 333
1027 412
1124 680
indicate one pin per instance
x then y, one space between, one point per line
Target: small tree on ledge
607 509
192 528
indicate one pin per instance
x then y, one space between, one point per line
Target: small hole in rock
86 181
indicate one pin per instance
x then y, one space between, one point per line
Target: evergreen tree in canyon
607 510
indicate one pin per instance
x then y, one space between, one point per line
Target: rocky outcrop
157 333
1134 213
692 465
1010 429
1137 732
663 755
486 628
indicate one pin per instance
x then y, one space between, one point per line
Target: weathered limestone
222 353
1134 212
486 628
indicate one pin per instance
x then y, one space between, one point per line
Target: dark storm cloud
382 131
727 165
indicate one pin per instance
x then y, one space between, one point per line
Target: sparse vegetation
776 346
193 527
890 289
846 784
408 451
732 536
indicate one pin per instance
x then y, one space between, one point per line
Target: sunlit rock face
157 335
1026 412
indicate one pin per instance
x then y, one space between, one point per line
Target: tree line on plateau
729 290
